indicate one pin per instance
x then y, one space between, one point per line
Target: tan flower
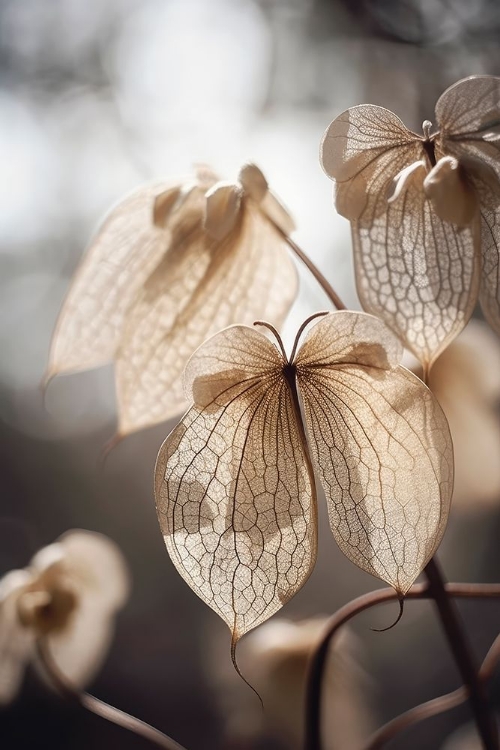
171 266
275 660
68 595
234 483
422 209
466 381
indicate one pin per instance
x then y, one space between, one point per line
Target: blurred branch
346 613
322 281
435 706
64 687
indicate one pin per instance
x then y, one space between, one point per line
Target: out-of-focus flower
422 210
466 381
68 596
171 266
275 660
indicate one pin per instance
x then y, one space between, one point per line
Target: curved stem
463 655
346 613
435 706
98 707
322 281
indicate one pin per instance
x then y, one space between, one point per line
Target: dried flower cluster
234 485
68 596
170 267
424 212
235 480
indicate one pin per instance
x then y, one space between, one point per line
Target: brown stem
322 281
463 655
98 707
346 613
435 706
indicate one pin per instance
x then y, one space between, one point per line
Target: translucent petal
200 287
16 641
363 149
489 296
350 338
468 114
383 450
119 260
223 205
452 196
234 489
419 273
92 567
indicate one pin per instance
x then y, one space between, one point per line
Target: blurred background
97 97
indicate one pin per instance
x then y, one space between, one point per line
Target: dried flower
234 484
275 659
422 210
69 596
170 267
466 381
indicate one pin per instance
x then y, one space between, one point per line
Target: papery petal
223 208
383 450
274 209
468 114
118 261
201 287
419 273
234 487
16 641
363 149
470 106
80 648
452 197
99 566
350 338
466 381
164 204
253 182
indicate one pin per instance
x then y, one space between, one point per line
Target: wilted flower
68 596
275 660
466 381
234 485
171 266
422 210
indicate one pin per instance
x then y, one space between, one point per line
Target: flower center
429 142
46 611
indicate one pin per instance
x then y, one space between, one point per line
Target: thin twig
435 706
322 281
98 707
463 655
346 613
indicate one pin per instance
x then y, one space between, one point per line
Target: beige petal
345 337
253 182
92 567
452 197
80 649
274 209
468 114
420 274
201 287
97 563
470 107
363 149
16 641
466 382
164 204
121 257
383 450
234 489
223 208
